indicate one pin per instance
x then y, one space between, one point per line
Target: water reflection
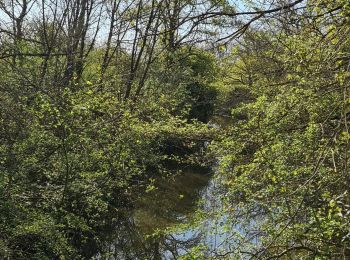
173 202
131 244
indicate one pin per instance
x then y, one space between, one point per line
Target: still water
162 223
159 226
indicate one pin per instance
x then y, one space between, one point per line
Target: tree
284 161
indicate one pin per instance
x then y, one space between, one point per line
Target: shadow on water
173 202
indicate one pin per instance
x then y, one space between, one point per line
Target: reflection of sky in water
209 231
169 209
214 232
173 205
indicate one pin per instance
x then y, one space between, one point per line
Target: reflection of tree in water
174 200
171 203
130 243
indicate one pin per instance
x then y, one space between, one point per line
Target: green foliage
185 80
84 130
74 157
284 162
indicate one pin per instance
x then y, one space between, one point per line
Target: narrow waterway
173 202
161 223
